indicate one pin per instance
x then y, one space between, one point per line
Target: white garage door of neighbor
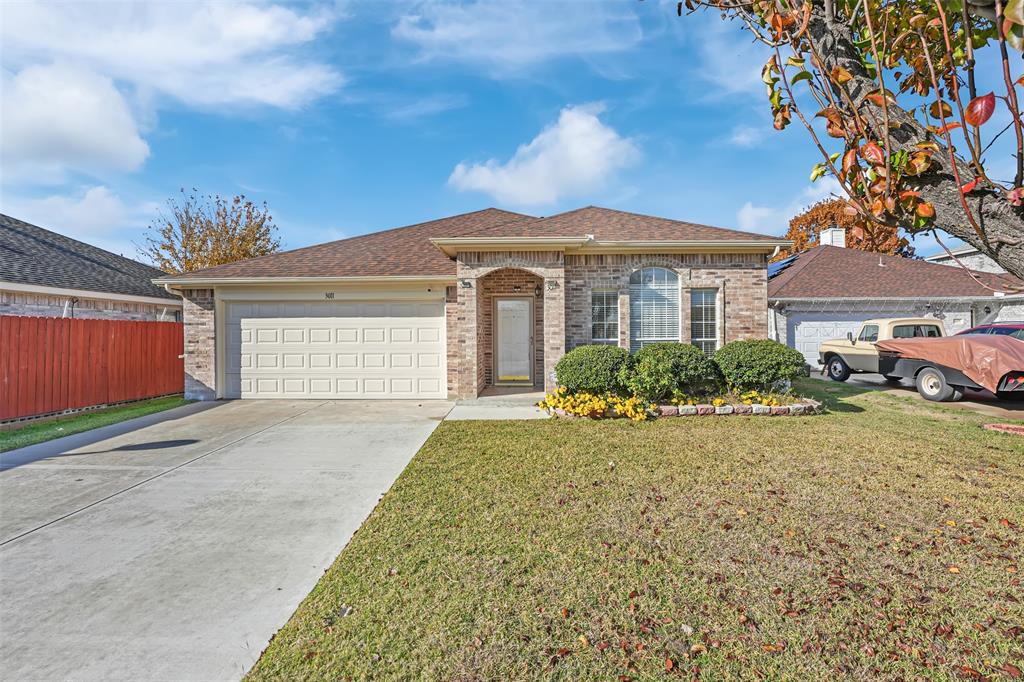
806 331
334 350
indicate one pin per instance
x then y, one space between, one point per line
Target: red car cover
984 359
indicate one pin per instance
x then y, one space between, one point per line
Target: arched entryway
510 326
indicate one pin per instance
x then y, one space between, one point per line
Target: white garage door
332 350
806 331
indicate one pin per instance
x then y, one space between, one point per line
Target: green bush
594 369
759 365
661 370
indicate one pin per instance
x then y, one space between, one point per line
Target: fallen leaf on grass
953 569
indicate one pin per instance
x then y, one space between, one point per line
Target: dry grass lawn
882 540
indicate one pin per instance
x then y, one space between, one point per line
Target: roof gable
32 255
408 251
835 272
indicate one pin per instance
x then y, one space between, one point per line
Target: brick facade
200 344
560 286
740 279
475 298
47 305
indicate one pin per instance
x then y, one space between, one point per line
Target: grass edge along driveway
42 431
882 540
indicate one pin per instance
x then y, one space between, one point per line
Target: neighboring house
968 257
450 307
46 274
824 292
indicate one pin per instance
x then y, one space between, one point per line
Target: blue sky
349 118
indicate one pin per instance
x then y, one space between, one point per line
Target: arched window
653 307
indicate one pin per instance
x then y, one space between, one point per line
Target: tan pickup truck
841 357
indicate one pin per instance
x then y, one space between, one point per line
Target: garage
808 330
335 350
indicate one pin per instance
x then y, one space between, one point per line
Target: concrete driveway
173 547
981 402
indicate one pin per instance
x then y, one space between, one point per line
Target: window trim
635 341
716 338
615 298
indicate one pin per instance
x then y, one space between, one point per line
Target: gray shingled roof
32 255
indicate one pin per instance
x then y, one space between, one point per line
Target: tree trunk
1002 225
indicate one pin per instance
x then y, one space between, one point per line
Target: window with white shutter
653 307
604 317
704 319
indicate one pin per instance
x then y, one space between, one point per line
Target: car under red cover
985 359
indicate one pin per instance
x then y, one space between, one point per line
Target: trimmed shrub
594 369
759 365
661 370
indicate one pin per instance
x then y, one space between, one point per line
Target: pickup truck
841 357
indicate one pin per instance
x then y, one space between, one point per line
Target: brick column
624 319
554 327
199 325
468 384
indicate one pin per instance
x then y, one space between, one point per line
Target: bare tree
894 84
206 230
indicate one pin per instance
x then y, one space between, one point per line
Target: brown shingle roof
834 272
607 224
407 251
401 251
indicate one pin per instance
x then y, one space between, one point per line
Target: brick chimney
833 236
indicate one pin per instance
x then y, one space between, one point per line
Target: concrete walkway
500 403
175 546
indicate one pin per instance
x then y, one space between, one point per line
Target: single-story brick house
46 274
828 290
450 307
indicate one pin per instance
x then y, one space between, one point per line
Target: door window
869 333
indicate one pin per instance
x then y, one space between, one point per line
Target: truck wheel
838 370
1011 396
931 384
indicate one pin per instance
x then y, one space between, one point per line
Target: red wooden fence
50 364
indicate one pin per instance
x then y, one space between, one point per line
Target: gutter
173 283
830 299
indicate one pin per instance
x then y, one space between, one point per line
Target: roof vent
833 236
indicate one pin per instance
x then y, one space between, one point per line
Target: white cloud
59 117
727 59
511 35
426 106
746 136
200 54
83 81
573 156
94 215
775 219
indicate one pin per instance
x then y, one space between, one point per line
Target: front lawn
39 432
882 540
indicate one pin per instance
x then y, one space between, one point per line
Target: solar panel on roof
777 267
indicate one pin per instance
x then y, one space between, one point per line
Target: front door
513 347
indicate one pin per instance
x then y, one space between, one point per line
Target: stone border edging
806 407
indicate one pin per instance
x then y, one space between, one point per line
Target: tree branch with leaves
894 85
201 231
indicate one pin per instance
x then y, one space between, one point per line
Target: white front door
514 341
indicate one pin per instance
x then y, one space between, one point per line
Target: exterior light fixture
536 290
